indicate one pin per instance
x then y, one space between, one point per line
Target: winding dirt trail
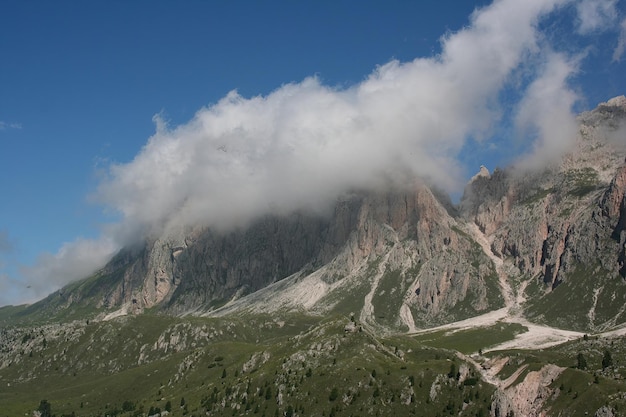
367 312
503 279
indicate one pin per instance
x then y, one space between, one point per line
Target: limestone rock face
200 267
398 256
401 253
604 411
439 274
528 397
218 267
613 200
487 200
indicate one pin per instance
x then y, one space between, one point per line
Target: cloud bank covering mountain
306 143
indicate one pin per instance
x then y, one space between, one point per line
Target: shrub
334 394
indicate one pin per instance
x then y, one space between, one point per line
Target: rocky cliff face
198 267
398 257
528 397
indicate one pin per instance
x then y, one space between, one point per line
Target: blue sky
80 84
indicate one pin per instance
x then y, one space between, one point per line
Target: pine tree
334 393
452 373
45 408
607 360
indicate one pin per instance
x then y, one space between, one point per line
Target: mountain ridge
410 243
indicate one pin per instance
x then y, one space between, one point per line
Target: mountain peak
483 172
619 101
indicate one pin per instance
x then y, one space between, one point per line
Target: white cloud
6 125
621 43
305 143
74 260
545 112
596 15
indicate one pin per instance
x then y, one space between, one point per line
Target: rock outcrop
528 397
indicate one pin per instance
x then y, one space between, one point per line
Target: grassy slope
568 305
146 361
300 364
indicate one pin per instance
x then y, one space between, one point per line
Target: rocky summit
395 302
